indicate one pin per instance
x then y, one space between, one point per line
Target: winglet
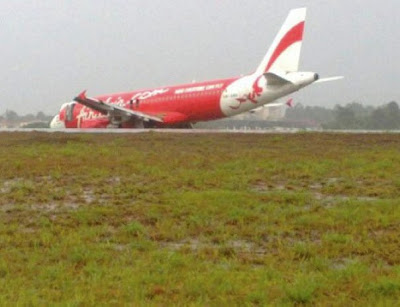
82 95
289 103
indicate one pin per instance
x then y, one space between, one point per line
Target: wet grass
154 219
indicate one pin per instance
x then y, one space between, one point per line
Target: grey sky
51 50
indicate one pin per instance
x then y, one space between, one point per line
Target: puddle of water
337 198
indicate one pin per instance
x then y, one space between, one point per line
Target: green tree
11 115
392 111
345 117
41 116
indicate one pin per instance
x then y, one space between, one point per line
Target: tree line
13 116
350 116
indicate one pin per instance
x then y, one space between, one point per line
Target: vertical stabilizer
284 53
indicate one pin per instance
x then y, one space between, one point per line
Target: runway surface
196 131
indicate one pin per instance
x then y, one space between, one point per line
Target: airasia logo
149 94
89 114
252 96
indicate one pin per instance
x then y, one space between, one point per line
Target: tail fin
284 53
289 103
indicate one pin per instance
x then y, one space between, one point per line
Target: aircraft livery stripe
293 36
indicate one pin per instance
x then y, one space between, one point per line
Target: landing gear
120 122
155 125
180 126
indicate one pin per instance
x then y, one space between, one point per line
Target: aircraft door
69 116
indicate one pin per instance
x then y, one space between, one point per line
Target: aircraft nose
56 123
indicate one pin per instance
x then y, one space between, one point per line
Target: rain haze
52 50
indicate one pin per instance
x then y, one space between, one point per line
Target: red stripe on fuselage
293 36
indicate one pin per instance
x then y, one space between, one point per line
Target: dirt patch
8 207
239 246
45 207
341 263
329 200
261 187
88 195
9 184
114 180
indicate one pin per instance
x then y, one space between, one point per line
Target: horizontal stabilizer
274 79
288 103
329 79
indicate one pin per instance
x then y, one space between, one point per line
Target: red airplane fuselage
185 103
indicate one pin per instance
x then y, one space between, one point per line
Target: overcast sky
52 50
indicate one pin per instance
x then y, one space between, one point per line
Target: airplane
182 105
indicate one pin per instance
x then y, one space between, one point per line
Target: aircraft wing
111 109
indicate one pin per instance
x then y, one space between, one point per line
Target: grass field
160 219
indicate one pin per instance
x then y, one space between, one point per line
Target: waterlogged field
161 219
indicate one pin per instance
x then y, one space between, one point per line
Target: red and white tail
284 53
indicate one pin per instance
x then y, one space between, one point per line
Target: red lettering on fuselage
252 96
